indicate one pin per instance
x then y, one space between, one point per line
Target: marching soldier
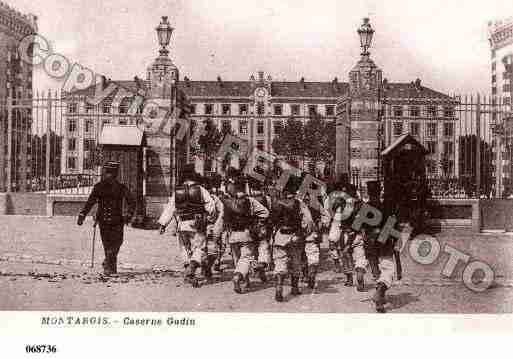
384 253
339 225
293 222
215 243
261 233
109 195
192 209
241 214
311 252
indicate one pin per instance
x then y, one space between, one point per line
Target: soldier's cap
293 184
189 173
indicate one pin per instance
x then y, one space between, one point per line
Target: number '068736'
40 349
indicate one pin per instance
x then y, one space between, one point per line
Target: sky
444 43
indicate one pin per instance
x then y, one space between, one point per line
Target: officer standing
109 195
192 210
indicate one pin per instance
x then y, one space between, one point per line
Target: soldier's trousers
312 252
387 269
112 239
192 246
242 248
288 254
262 251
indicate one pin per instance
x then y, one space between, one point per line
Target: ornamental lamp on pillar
164 31
366 32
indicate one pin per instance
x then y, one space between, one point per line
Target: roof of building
298 89
121 136
403 139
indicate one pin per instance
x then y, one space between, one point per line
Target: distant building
500 35
16 82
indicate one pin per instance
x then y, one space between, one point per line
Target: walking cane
94 240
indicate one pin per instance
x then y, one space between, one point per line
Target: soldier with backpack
192 209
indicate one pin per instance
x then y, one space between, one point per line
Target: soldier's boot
360 282
191 274
379 297
278 295
374 265
207 271
260 270
312 273
338 267
237 278
294 282
247 282
306 277
349 280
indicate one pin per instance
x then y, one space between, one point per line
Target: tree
290 141
320 140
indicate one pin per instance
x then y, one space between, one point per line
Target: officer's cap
111 166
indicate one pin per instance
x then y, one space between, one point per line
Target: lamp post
164 32
365 32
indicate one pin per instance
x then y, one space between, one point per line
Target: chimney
187 81
417 84
302 82
219 81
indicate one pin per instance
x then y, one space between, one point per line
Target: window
88 125
122 121
72 144
398 128
124 105
506 76
330 110
260 145
448 148
431 146
494 66
89 145
89 107
398 111
243 127
431 129
448 129
277 127
506 100
448 111
106 120
312 110
278 110
260 108
72 162
494 78
226 109
260 127
414 111
106 107
88 162
72 125
431 111
226 126
415 128
209 109
356 152
494 90
243 109
493 53
294 110
506 88
73 107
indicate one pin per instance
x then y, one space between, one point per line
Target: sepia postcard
248 169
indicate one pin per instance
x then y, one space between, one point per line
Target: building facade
257 108
16 83
500 35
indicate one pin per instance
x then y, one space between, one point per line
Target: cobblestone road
44 266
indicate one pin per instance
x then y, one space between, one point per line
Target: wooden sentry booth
125 144
404 180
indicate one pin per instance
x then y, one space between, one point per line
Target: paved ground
44 266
